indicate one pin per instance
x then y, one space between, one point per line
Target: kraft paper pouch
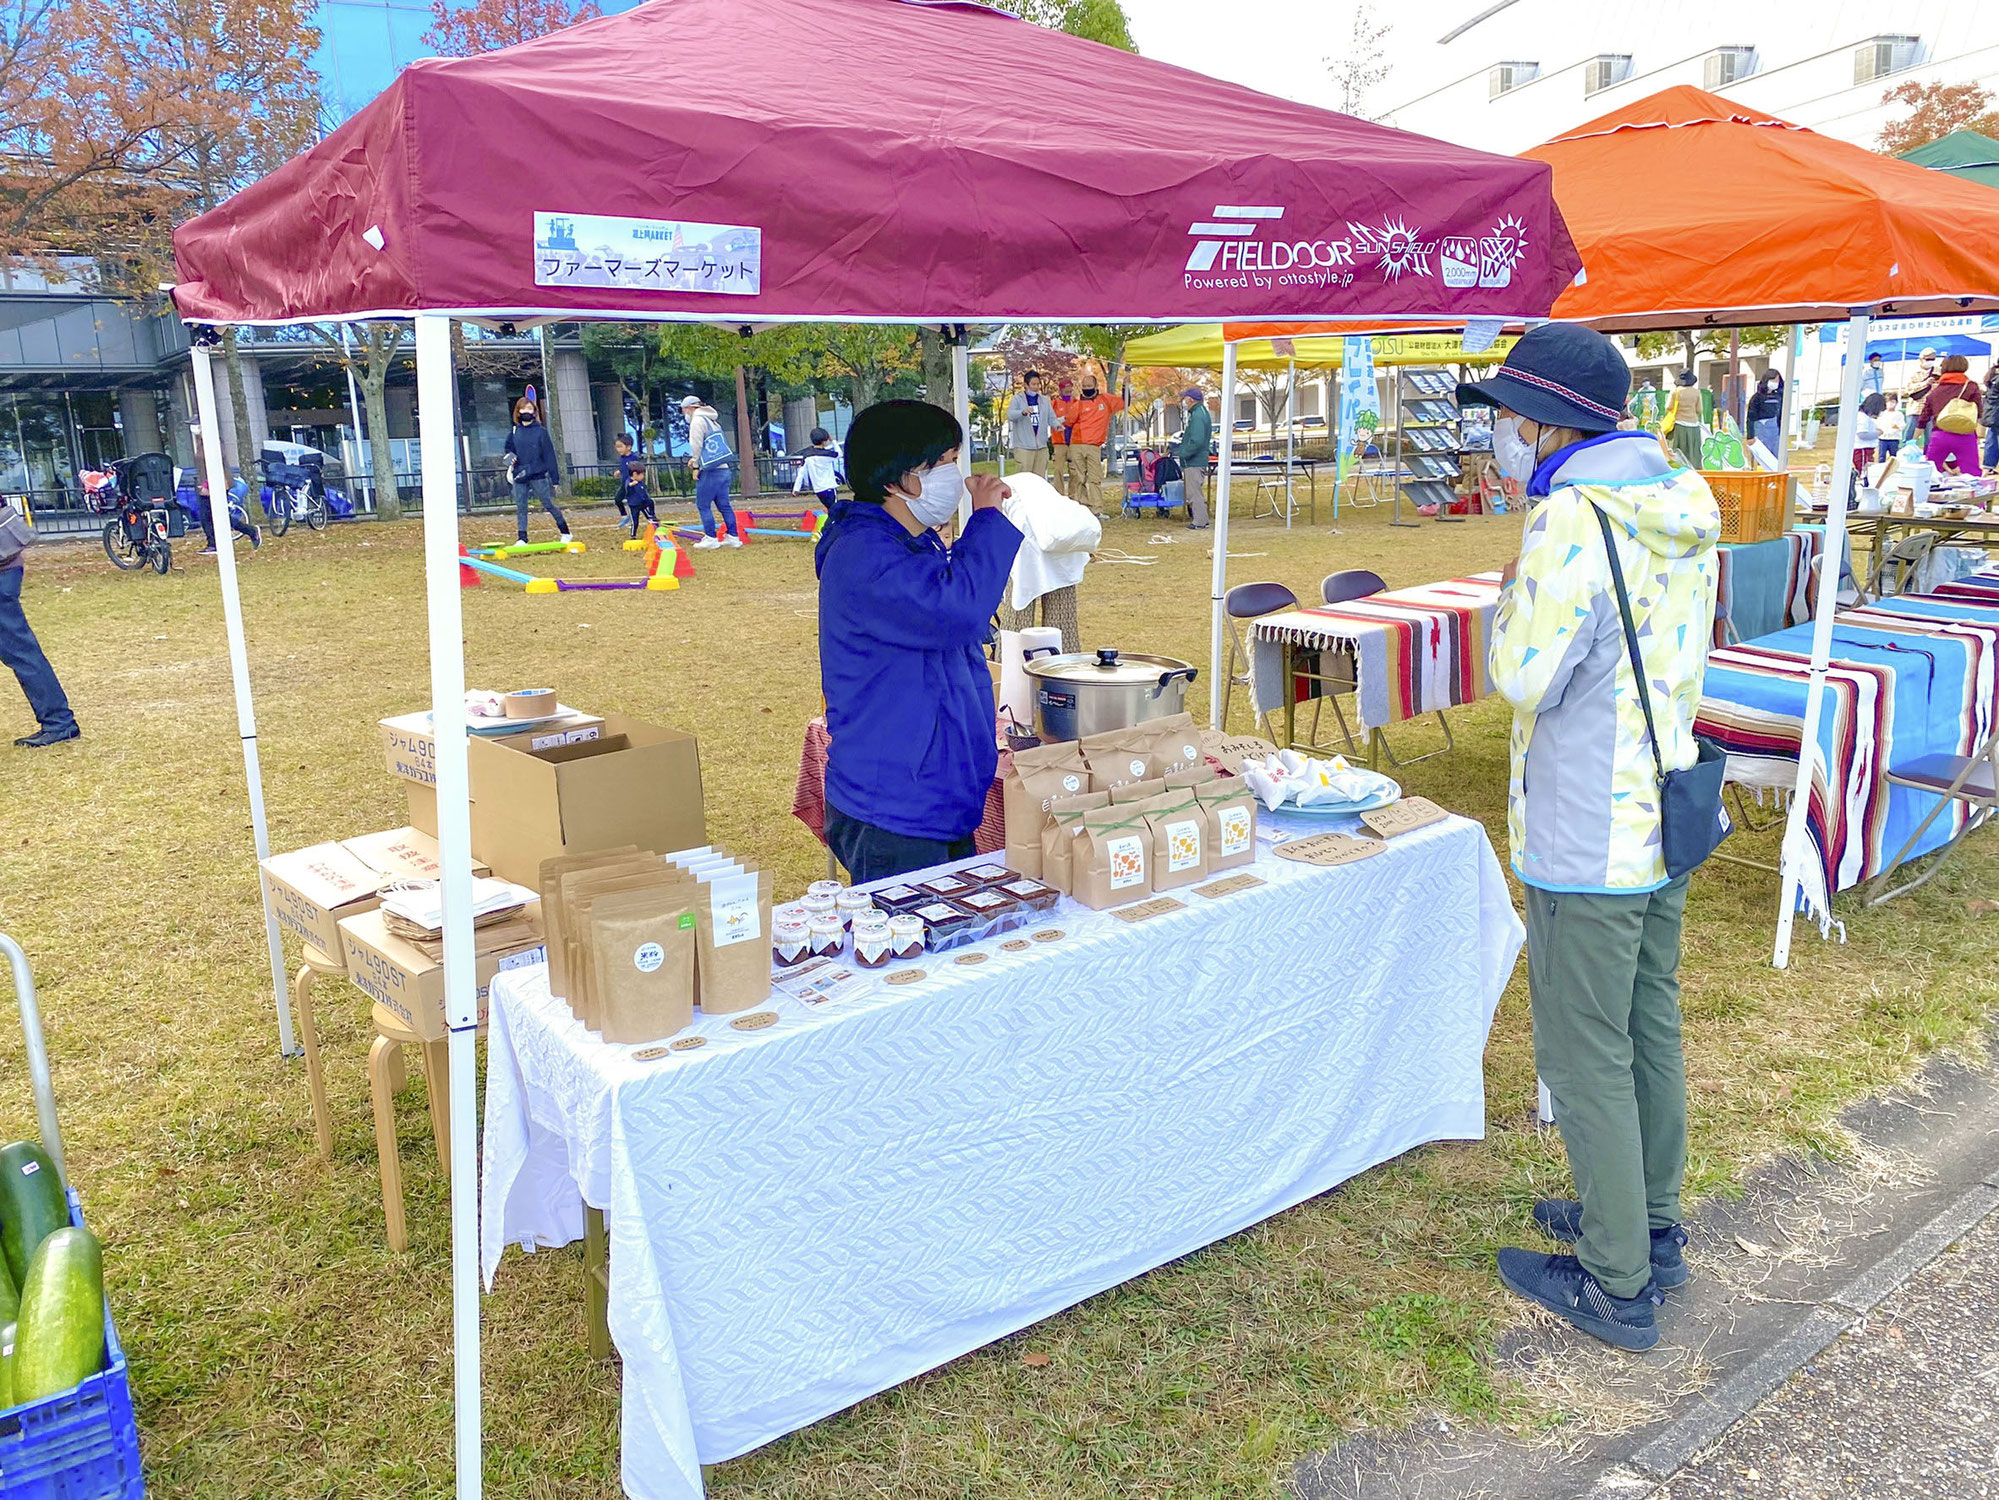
1036 777
552 915
1231 811
577 889
1179 827
732 932
1199 775
1119 757
1176 744
1058 838
1113 859
1137 791
642 962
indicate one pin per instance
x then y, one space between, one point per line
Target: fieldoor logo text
1247 246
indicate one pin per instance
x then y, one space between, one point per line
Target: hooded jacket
909 699
1089 418
1030 426
701 421
1583 806
533 452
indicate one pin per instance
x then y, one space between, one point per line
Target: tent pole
436 419
1832 563
1217 664
1788 418
1290 434
961 404
239 673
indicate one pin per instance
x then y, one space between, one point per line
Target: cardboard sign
1228 885
1230 750
1329 849
1403 816
1145 911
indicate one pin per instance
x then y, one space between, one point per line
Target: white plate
1389 794
515 726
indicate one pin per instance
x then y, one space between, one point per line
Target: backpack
1958 416
715 449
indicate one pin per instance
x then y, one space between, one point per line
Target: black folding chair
1970 778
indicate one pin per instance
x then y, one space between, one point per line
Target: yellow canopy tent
1198 346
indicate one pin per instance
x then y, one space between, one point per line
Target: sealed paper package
554 919
1179 839
1119 757
1034 778
1137 791
1058 838
1199 775
732 931
642 946
1112 858
579 891
1176 744
1231 812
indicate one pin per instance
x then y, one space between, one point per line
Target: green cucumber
6 1367
10 1295
31 1203
59 1336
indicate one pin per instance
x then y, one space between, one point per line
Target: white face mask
943 488
1515 456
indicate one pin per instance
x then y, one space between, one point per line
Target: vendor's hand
1508 573
987 490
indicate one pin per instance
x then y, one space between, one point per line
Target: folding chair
1248 601
1850 595
1970 778
1338 588
1903 561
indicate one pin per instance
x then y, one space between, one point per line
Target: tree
1036 346
489 24
867 356
379 345
633 353
1093 20
1939 108
1760 339
1363 63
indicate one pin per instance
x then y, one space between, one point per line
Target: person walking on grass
633 497
1030 422
532 469
1684 407
819 469
1949 416
1192 452
714 464
19 649
233 502
1583 817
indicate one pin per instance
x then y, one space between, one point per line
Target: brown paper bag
1179 827
1231 810
1176 744
1034 778
1199 775
1137 791
1112 859
641 961
1058 838
577 890
554 919
1119 757
732 931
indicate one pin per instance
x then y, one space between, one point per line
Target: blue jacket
534 453
909 699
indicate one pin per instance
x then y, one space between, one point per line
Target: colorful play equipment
805 527
660 574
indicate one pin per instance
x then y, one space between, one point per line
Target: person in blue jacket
532 469
903 620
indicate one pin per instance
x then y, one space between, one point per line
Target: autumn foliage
1939 108
490 24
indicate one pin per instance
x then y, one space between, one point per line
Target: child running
632 494
819 469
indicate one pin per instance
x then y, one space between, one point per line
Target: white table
803 1216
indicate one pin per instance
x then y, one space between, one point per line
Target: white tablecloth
805 1215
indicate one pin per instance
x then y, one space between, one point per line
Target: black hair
1875 404
1874 354
622 440
821 436
1685 377
1030 375
892 438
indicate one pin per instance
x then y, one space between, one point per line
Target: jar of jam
791 940
851 903
816 907
905 936
829 938
828 888
872 942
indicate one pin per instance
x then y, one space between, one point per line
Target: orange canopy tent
1692 211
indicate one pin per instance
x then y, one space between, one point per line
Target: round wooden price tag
651 1054
1015 945
687 1044
905 976
1050 935
756 1022
969 958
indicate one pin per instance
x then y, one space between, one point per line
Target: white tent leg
1788 418
1218 627
1290 434
436 419
239 674
961 404
1796 845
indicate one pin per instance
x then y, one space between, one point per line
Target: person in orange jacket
1088 419
1058 450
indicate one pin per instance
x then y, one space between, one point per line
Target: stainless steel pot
1087 693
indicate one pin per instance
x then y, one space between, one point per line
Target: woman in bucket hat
1603 918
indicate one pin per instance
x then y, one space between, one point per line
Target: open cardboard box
410 749
313 889
638 783
407 982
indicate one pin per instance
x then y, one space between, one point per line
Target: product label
1070 783
733 907
1137 769
1127 859
648 957
1183 845
1236 825
1191 754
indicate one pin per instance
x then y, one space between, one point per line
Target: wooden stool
386 1077
316 963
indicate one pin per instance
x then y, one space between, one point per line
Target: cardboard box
403 854
411 751
423 806
313 889
408 982
638 783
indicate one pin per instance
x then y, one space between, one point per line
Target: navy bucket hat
1559 374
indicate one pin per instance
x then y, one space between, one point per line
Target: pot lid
1106 666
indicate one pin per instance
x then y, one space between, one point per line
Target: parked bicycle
130 493
303 500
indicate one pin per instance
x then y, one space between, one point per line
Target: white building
1509 75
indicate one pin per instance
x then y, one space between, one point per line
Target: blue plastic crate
82 1444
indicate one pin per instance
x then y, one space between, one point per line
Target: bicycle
136 535
297 502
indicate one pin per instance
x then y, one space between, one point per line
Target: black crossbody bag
1692 821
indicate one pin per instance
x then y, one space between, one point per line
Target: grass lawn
277 1348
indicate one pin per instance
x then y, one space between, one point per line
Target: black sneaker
1560 1284
42 739
256 537
1562 1219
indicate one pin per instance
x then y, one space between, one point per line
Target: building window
1725 65
1508 76
1605 71
1882 55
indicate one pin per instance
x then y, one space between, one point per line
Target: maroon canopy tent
759 160
756 161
